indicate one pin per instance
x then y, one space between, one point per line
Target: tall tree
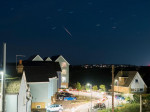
95 87
78 86
102 87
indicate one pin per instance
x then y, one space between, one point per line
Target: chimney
20 62
20 67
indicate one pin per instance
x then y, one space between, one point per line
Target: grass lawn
135 107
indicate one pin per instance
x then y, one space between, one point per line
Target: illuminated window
63 79
63 71
63 64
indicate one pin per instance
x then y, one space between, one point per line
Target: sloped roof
40 71
54 58
129 74
13 86
47 59
31 57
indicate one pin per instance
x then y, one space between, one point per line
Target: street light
90 86
2 77
116 81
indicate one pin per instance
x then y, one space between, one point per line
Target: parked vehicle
119 97
70 98
55 107
61 95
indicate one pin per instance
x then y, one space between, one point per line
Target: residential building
43 79
17 94
129 82
65 70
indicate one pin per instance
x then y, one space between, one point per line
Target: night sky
83 31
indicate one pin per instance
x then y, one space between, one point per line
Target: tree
95 87
102 87
78 86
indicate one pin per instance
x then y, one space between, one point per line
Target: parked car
55 107
61 95
119 97
70 98
99 106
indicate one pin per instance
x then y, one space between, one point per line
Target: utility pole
140 103
113 88
91 97
3 79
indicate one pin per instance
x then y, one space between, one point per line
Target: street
97 95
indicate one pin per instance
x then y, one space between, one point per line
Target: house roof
128 74
55 58
13 86
40 71
47 59
35 71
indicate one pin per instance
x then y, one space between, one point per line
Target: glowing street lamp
90 86
2 77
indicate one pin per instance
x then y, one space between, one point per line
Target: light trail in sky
67 31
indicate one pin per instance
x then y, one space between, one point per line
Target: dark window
38 107
136 80
141 89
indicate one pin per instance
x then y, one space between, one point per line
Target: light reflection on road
95 95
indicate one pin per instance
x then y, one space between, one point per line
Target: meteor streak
67 31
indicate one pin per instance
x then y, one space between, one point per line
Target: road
97 95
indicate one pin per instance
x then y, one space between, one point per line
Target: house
17 95
129 82
65 70
43 79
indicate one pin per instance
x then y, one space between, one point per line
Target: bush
126 108
136 98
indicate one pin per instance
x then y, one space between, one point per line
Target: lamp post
2 75
117 85
90 85
3 79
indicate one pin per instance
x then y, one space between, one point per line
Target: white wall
137 85
39 91
11 105
22 96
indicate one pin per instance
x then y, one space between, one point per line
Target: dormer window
136 80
